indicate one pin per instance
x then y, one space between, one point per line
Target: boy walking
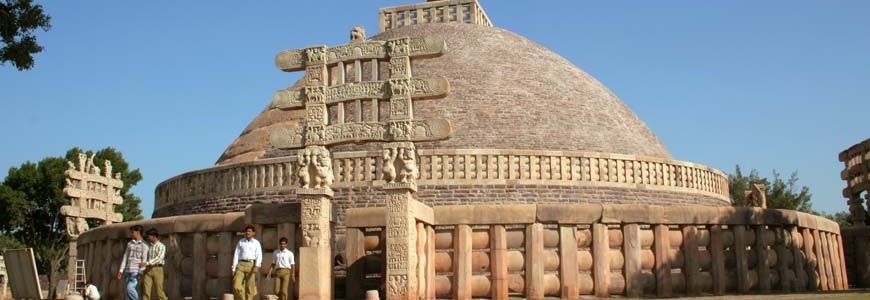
153 275
284 261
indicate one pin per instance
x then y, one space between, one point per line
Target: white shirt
91 292
248 250
284 258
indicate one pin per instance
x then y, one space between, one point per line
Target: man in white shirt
246 264
91 292
284 261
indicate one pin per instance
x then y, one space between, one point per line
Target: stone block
569 214
484 214
272 213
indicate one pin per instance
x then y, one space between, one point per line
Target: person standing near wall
284 261
246 264
153 275
134 255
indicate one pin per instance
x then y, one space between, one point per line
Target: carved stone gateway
324 88
93 195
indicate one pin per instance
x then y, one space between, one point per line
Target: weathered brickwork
506 92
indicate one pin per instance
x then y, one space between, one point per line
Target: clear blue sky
765 84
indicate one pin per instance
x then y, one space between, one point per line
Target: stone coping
445 167
603 213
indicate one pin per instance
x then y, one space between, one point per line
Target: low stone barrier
541 250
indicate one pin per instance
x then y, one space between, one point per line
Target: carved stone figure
310 235
755 196
389 167
303 157
76 226
323 169
408 157
358 34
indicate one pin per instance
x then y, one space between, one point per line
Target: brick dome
527 127
506 92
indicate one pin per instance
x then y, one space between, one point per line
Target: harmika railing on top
450 167
448 11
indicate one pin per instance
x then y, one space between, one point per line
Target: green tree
30 199
781 194
18 20
841 218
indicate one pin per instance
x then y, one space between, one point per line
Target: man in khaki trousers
246 264
283 264
153 275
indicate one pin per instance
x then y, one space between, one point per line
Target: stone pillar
631 248
762 265
812 264
662 248
717 263
71 265
200 256
690 268
498 264
821 259
355 257
462 262
401 241
741 258
315 254
601 260
534 261
568 261
782 268
800 260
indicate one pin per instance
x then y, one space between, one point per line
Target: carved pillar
315 194
400 174
856 209
401 241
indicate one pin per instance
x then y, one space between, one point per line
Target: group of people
247 260
143 260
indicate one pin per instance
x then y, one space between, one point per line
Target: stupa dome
506 92
518 124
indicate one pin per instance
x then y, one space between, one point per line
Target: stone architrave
319 91
93 195
400 186
315 194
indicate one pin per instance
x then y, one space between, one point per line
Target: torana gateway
444 158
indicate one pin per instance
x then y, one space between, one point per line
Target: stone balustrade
458 167
535 251
199 249
448 11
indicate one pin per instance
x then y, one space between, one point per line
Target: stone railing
536 251
459 167
446 11
199 249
